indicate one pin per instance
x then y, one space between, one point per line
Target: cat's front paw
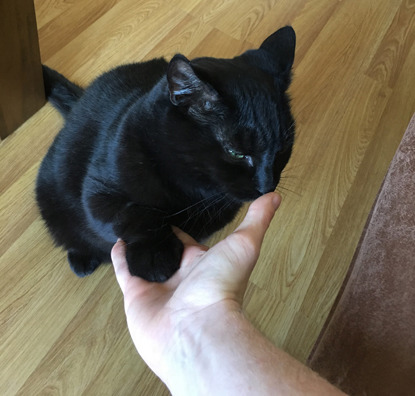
156 263
81 263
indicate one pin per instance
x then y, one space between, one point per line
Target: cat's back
122 81
107 99
94 118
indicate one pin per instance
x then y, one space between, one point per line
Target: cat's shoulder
132 76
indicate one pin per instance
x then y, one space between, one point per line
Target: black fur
155 144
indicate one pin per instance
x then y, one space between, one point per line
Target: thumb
240 250
247 239
120 264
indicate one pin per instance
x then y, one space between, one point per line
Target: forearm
225 354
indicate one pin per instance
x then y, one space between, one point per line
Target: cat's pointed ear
281 46
275 55
186 88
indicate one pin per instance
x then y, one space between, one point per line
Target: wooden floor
353 94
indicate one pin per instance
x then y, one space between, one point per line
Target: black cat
155 144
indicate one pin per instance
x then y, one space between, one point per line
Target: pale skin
191 330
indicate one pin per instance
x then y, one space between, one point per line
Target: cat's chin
251 195
247 196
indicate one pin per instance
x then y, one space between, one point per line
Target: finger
119 262
250 233
192 246
192 249
131 286
184 237
259 216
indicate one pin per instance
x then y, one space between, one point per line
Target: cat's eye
240 157
236 155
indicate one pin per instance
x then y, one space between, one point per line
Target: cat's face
241 112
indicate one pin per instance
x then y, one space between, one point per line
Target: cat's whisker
284 179
207 204
283 189
202 201
290 127
290 167
220 209
217 201
225 204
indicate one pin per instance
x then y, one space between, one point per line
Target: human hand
209 284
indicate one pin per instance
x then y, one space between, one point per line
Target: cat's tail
61 92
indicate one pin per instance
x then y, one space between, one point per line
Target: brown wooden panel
21 83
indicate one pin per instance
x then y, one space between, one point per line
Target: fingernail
276 201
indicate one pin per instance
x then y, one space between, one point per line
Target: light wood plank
388 61
69 22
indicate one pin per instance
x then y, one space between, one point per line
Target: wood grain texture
352 96
387 63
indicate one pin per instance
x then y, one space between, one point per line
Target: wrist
198 344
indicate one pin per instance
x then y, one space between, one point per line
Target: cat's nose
267 180
265 190
266 186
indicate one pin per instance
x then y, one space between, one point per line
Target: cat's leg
153 250
81 263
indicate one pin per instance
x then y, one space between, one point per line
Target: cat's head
234 126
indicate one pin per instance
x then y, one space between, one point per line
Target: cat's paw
155 263
82 264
